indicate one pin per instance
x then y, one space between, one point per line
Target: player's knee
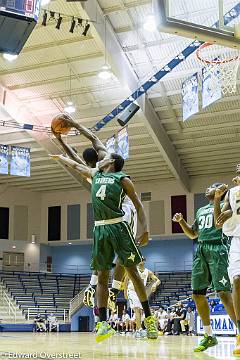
223 294
197 293
103 277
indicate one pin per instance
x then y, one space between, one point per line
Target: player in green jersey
210 264
113 235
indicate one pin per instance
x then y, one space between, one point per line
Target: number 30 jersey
204 225
232 226
107 195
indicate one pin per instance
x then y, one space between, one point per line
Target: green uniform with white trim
116 238
210 260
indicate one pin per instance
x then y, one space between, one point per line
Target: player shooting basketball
112 234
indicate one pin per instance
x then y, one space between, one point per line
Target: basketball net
221 64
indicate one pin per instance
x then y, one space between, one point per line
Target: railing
76 303
34 311
12 310
172 265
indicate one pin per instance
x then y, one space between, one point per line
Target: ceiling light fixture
87 27
59 21
150 24
105 73
10 57
73 23
44 20
45 2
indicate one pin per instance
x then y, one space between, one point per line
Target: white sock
94 280
116 284
208 330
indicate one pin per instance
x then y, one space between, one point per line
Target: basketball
59 124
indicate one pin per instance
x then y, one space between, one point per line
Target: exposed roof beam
126 75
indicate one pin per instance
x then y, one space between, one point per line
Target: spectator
178 326
189 321
171 314
124 323
113 320
52 322
39 323
162 319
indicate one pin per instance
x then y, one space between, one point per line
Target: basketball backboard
205 20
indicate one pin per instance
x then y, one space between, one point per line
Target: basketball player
91 156
131 295
113 235
210 264
228 218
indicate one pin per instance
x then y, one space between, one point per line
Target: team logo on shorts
223 281
131 257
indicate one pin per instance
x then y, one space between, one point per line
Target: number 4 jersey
204 225
107 195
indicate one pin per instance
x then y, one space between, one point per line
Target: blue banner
211 85
111 144
123 143
4 159
190 96
20 161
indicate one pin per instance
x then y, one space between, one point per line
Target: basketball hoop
221 64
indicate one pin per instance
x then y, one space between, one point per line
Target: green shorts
114 239
210 264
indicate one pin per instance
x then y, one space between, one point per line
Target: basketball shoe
150 324
104 331
206 342
88 297
236 351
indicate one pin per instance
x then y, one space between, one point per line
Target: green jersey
204 225
107 195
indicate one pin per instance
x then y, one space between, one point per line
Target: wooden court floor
83 346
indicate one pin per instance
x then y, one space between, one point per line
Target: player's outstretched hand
177 217
224 216
220 191
143 239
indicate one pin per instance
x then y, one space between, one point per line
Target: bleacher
174 287
42 292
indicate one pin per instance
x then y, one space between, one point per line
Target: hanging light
44 20
9 57
105 73
59 21
73 23
87 27
70 108
150 24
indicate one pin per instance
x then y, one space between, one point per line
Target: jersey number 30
205 221
101 193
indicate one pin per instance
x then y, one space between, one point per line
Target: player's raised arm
84 170
129 189
190 231
68 149
97 144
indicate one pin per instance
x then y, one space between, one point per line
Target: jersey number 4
101 193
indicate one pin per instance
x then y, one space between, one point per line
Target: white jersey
144 276
130 214
232 226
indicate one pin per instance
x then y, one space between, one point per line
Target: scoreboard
17 21
26 8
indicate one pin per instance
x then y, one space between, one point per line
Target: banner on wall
4 159
111 144
221 325
123 143
190 96
20 161
211 86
